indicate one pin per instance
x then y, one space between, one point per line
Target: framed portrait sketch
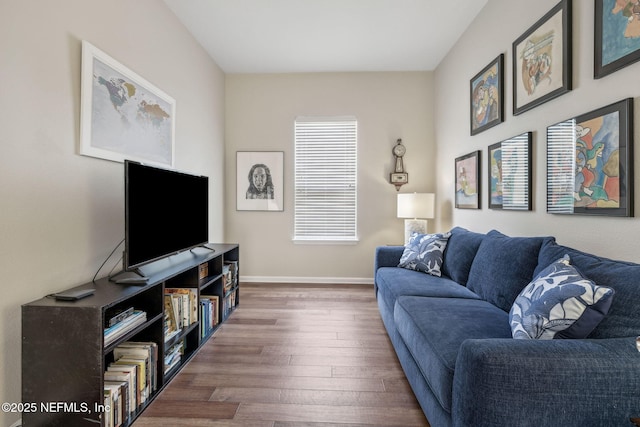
468 181
260 180
509 164
617 35
542 60
123 116
487 97
590 163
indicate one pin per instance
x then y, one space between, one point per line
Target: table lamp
413 206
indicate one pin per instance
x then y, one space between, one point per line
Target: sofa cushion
559 303
459 254
424 253
623 318
503 266
433 329
394 282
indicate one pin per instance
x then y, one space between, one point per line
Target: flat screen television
166 212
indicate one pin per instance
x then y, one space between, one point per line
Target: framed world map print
123 116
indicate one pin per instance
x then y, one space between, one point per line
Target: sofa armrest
386 256
511 382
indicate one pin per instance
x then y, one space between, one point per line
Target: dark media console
64 356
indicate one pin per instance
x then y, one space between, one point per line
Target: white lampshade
416 205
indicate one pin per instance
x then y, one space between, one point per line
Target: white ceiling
281 36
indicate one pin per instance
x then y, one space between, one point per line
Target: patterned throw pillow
425 253
559 303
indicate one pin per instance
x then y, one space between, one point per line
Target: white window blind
325 179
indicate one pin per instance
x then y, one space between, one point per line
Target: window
325 179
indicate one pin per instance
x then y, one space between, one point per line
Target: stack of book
170 323
129 380
228 304
230 283
122 323
208 314
233 272
180 310
227 280
203 271
173 356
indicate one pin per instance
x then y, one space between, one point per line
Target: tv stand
136 279
64 355
206 246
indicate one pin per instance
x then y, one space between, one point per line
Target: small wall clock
399 177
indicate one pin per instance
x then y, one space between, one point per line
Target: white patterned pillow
424 252
559 303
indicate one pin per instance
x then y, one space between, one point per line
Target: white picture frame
122 115
260 180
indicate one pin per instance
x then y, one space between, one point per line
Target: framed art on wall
123 116
590 163
542 60
509 164
617 35
260 180
467 169
487 98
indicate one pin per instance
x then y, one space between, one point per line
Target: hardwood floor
292 355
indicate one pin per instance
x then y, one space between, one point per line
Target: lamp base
414 226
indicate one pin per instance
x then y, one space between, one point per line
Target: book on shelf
118 392
184 302
111 401
233 271
173 356
141 375
203 270
130 372
124 326
208 313
228 304
171 326
144 355
120 315
227 282
127 381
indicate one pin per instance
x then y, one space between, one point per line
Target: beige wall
61 214
260 112
481 43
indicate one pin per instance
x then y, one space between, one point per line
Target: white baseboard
308 280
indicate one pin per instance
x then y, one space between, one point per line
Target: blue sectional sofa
454 335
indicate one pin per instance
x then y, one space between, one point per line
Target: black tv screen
166 212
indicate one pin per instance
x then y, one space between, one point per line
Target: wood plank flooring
292 355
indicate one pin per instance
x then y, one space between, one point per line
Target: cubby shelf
63 353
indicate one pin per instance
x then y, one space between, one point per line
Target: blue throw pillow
559 303
623 318
425 253
459 254
503 266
